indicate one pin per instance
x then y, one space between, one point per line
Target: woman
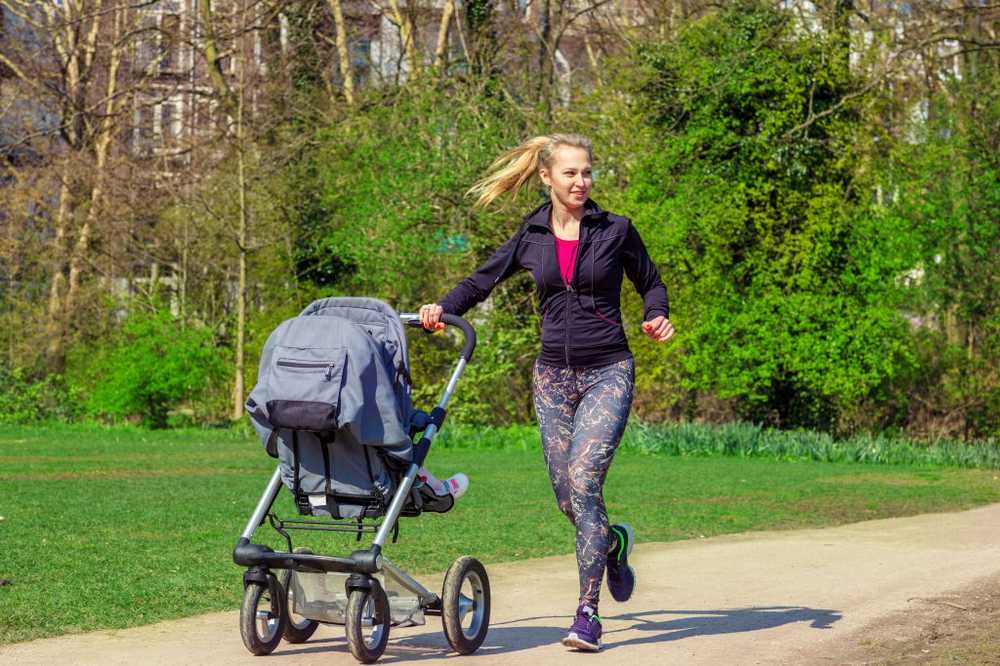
583 377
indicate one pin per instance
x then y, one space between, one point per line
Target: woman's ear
543 173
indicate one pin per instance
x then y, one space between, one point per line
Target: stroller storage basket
323 597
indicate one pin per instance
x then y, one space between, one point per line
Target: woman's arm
475 288
641 270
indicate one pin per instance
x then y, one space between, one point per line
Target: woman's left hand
659 329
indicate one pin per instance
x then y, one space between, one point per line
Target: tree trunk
441 52
343 52
545 62
55 326
408 33
241 289
102 146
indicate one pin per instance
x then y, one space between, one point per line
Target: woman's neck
566 222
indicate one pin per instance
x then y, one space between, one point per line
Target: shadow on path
713 622
656 627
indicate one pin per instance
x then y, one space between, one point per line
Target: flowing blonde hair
514 168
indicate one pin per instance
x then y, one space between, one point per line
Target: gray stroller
332 404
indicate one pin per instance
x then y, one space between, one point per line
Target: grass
113 528
746 440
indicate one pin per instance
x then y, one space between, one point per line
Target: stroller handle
452 320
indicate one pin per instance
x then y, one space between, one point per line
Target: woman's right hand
430 317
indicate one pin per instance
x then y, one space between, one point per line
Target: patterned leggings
582 414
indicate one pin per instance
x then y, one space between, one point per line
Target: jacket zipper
569 290
569 287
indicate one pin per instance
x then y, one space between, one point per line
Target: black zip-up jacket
581 321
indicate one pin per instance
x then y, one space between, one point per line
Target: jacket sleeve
476 287
641 270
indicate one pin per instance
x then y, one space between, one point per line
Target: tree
785 272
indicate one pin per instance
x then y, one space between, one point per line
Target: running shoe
585 634
621 577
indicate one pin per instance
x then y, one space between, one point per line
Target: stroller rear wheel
263 616
367 623
466 605
298 629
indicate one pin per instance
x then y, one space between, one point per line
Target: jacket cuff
656 311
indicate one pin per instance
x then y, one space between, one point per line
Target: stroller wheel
298 629
263 616
367 623
466 605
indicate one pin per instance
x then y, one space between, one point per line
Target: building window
361 60
144 132
170 52
169 122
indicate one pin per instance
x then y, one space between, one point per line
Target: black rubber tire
356 606
256 595
296 633
461 640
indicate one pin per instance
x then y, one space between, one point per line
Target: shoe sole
574 641
630 534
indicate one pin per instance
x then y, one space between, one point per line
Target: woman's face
569 176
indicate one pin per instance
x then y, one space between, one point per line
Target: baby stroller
332 403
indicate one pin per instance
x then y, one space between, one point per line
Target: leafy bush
154 364
782 273
24 399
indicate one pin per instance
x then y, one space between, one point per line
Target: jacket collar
540 216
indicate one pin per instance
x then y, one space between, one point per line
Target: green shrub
150 367
24 399
782 275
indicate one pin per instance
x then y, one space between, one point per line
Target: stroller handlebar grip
467 330
451 320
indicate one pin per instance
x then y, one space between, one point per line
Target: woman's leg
556 398
601 415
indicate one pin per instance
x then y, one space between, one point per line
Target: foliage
24 399
152 366
781 271
825 213
747 440
392 222
946 186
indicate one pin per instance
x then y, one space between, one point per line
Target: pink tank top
566 251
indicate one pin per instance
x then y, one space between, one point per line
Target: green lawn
112 528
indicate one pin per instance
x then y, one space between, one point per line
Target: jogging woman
584 376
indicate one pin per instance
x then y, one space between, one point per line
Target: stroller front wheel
367 623
263 616
466 605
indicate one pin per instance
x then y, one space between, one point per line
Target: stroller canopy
358 346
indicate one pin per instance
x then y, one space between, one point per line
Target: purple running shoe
621 577
585 634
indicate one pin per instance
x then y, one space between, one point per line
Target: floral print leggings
582 415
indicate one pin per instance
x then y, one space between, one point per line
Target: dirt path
762 598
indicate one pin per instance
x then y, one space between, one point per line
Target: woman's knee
586 492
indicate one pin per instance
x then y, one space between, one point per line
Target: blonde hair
514 168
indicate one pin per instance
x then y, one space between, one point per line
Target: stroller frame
362 564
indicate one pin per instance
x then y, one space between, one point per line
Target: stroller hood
340 365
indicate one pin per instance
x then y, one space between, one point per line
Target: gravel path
757 598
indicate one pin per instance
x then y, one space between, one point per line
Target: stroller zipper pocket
305 388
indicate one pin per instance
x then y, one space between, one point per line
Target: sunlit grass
113 528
